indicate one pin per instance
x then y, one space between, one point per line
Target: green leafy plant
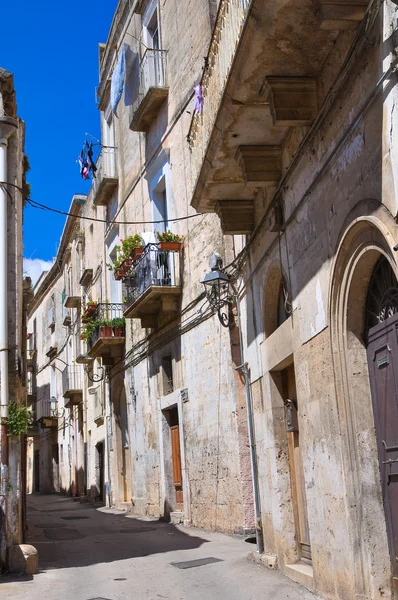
130 243
168 236
105 323
124 251
119 322
90 327
19 419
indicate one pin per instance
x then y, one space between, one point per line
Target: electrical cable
35 204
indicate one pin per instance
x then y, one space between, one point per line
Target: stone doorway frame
363 241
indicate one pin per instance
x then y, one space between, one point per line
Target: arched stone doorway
364 259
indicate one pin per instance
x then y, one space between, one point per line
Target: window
167 373
160 193
51 313
108 149
63 307
53 383
114 289
151 33
111 210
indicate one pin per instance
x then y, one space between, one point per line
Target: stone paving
103 554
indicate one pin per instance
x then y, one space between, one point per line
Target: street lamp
54 410
218 289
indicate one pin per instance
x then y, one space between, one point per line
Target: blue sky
52 50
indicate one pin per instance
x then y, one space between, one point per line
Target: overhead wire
39 205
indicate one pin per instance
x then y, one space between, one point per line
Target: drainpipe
244 369
108 434
8 126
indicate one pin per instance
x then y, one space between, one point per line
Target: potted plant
169 241
118 325
128 252
90 309
105 328
90 328
132 246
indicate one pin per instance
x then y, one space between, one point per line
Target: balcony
106 181
72 385
86 277
31 389
107 340
45 413
254 93
226 36
155 290
153 89
72 301
67 322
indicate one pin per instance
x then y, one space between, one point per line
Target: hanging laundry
86 162
90 163
82 160
198 98
117 81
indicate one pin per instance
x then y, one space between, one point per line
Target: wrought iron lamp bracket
95 377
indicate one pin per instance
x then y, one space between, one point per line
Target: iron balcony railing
72 379
105 316
156 267
153 73
227 32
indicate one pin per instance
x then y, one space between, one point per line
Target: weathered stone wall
346 173
213 429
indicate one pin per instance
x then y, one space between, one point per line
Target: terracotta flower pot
170 246
119 274
136 253
127 263
90 310
118 331
105 331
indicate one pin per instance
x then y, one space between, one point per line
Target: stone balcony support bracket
293 101
339 14
260 164
236 216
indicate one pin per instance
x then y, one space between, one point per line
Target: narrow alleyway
87 554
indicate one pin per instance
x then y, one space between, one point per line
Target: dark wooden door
177 470
383 370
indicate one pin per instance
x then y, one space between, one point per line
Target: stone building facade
14 297
158 426
288 172
296 153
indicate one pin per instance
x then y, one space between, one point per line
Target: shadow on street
69 534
